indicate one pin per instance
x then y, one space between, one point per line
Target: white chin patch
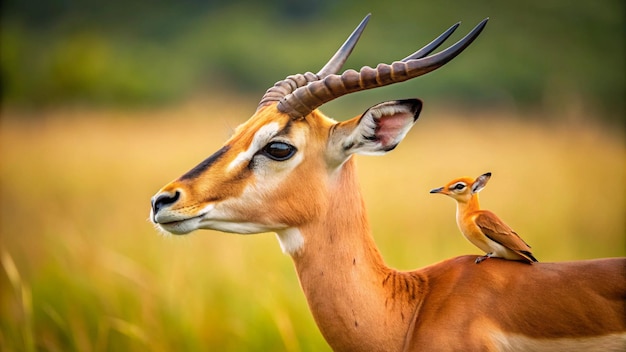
291 240
180 227
243 228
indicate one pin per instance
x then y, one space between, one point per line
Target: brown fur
360 304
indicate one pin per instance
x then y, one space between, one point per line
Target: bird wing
496 230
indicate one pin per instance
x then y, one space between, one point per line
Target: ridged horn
298 95
336 62
293 82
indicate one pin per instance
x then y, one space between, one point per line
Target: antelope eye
279 151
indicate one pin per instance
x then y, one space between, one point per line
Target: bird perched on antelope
483 228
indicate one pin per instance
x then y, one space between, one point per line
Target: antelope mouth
179 227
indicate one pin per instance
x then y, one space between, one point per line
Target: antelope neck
343 274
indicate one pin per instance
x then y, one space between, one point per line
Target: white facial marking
261 137
458 187
230 215
181 227
291 240
217 218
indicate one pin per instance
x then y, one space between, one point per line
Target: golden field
84 270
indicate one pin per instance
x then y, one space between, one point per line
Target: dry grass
84 270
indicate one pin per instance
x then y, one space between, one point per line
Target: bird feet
484 257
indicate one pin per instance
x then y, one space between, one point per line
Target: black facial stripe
200 168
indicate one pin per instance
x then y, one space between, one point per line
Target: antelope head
273 174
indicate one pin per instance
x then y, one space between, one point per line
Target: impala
289 170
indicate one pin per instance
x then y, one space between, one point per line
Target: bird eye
279 151
458 186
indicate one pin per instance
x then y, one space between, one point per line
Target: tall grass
83 269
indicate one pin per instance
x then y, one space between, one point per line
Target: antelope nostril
163 200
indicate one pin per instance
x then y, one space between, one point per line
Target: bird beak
437 190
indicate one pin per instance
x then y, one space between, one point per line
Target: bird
483 228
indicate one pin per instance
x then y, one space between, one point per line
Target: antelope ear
379 130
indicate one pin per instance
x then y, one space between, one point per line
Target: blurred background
105 102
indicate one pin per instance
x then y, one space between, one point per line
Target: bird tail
529 256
